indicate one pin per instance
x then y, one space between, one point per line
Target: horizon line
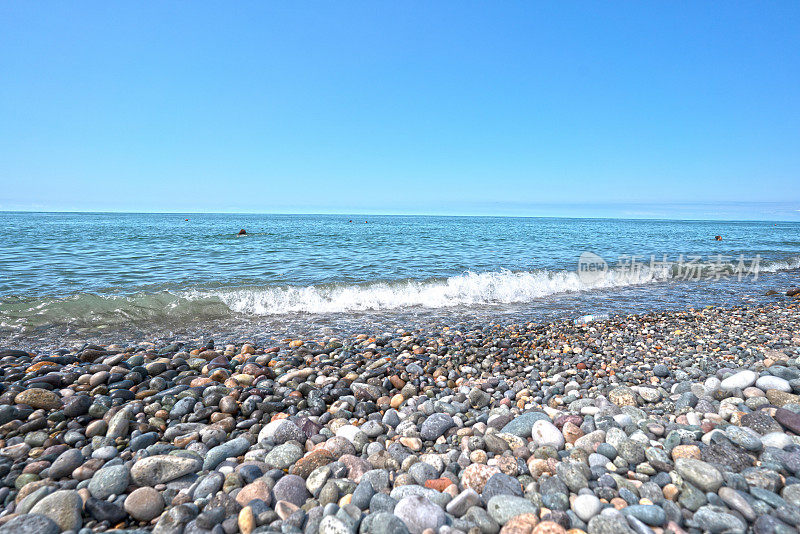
397 214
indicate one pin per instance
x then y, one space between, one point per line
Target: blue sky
520 108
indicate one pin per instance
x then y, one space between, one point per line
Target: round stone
39 398
419 514
586 506
767 382
739 380
291 488
546 434
63 507
30 524
144 504
436 425
109 481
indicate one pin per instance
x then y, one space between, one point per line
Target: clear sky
521 108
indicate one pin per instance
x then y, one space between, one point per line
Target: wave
467 289
783 265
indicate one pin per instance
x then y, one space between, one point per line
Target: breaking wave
467 289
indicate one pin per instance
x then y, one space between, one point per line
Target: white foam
499 287
785 265
465 290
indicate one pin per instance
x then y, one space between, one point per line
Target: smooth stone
572 476
776 439
586 506
229 449
161 469
63 507
746 438
381 502
383 523
649 514
419 514
333 525
701 474
739 380
112 480
522 425
501 508
715 519
144 504
435 426
283 456
545 434
66 463
791 494
608 524
362 495
660 370
736 501
501 484
105 510
422 472
30 524
788 419
773 382
291 488
119 425
463 502
39 398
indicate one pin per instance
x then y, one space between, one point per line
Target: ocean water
66 277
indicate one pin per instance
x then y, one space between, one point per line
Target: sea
68 279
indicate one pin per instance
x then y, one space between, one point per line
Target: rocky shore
683 421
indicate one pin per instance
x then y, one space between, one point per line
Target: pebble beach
664 422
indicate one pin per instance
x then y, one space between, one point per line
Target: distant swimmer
351 220
718 237
365 222
242 232
186 219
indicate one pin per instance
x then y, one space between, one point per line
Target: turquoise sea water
68 276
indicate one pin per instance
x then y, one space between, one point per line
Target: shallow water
65 277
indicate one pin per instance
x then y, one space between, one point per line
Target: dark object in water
718 237
795 291
771 292
242 232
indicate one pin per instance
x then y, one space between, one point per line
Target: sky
519 108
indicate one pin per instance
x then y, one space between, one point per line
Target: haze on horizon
632 110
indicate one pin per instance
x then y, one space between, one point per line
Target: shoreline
660 422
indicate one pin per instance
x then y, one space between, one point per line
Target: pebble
112 480
701 474
419 514
545 434
144 504
63 507
233 448
436 425
669 421
66 463
162 468
586 506
739 380
39 398
291 488
768 382
30 524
